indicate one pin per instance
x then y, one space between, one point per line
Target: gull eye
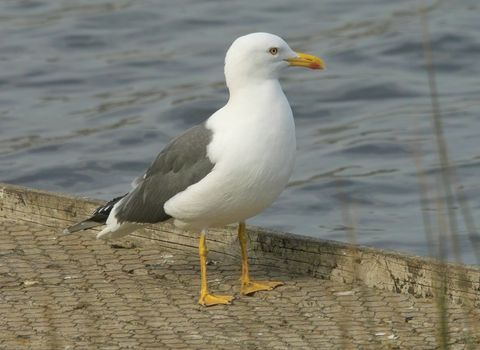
273 50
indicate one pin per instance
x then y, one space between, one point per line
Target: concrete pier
75 292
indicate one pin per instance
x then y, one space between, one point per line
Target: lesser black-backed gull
226 170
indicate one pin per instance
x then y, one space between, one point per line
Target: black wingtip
100 216
85 225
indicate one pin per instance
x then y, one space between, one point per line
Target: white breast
253 149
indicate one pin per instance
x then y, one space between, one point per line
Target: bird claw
249 287
210 300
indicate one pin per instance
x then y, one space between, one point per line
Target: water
92 90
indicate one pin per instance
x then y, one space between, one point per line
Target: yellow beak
308 61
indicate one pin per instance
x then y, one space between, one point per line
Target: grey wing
137 180
181 164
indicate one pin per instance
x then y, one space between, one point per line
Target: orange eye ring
273 50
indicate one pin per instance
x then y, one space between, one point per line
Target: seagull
225 170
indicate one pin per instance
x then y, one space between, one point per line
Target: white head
262 56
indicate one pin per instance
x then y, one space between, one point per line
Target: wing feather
182 163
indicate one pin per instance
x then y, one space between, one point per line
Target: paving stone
78 292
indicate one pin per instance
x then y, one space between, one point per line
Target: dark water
92 90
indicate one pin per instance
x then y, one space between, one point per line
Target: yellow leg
248 286
207 299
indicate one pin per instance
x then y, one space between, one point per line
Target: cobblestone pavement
75 292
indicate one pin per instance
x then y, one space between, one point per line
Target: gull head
263 56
